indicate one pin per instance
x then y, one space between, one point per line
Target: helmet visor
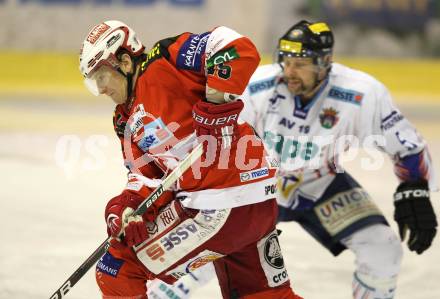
98 80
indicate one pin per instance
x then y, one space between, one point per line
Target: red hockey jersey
156 129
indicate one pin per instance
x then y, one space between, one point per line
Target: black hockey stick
166 184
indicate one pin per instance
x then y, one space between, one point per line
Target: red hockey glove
219 121
120 222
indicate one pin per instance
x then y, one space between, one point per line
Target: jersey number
220 70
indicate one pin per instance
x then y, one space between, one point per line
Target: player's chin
295 88
117 99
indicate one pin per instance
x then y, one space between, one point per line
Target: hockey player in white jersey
308 110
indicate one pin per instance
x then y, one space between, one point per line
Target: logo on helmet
113 40
296 33
97 32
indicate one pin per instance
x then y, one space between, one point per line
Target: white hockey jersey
351 109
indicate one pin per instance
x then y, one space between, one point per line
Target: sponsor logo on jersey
160 289
289 148
222 57
109 265
175 238
344 209
328 118
136 122
259 86
272 260
254 174
173 243
346 95
202 260
191 52
270 189
167 216
155 133
288 184
272 252
152 55
389 121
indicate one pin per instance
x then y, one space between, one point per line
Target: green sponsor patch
222 57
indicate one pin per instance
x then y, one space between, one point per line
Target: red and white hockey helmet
101 47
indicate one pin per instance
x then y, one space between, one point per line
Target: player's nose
102 89
290 71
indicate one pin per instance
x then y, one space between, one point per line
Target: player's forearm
218 97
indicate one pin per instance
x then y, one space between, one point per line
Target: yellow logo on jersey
152 55
287 185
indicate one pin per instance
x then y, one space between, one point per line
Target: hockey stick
166 184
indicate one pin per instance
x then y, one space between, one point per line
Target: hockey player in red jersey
184 91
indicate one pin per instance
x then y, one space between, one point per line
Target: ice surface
52 217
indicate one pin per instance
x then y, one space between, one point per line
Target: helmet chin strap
319 61
129 76
317 85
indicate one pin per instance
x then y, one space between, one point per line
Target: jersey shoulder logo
191 52
346 95
391 120
261 85
328 118
160 49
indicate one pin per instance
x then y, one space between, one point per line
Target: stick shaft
99 252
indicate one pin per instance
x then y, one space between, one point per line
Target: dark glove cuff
412 190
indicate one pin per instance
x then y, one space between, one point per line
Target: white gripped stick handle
96 255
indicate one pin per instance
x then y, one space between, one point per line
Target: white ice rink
61 163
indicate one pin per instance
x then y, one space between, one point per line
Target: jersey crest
328 118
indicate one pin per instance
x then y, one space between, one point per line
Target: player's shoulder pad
352 86
264 78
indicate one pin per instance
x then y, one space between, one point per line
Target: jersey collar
299 110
